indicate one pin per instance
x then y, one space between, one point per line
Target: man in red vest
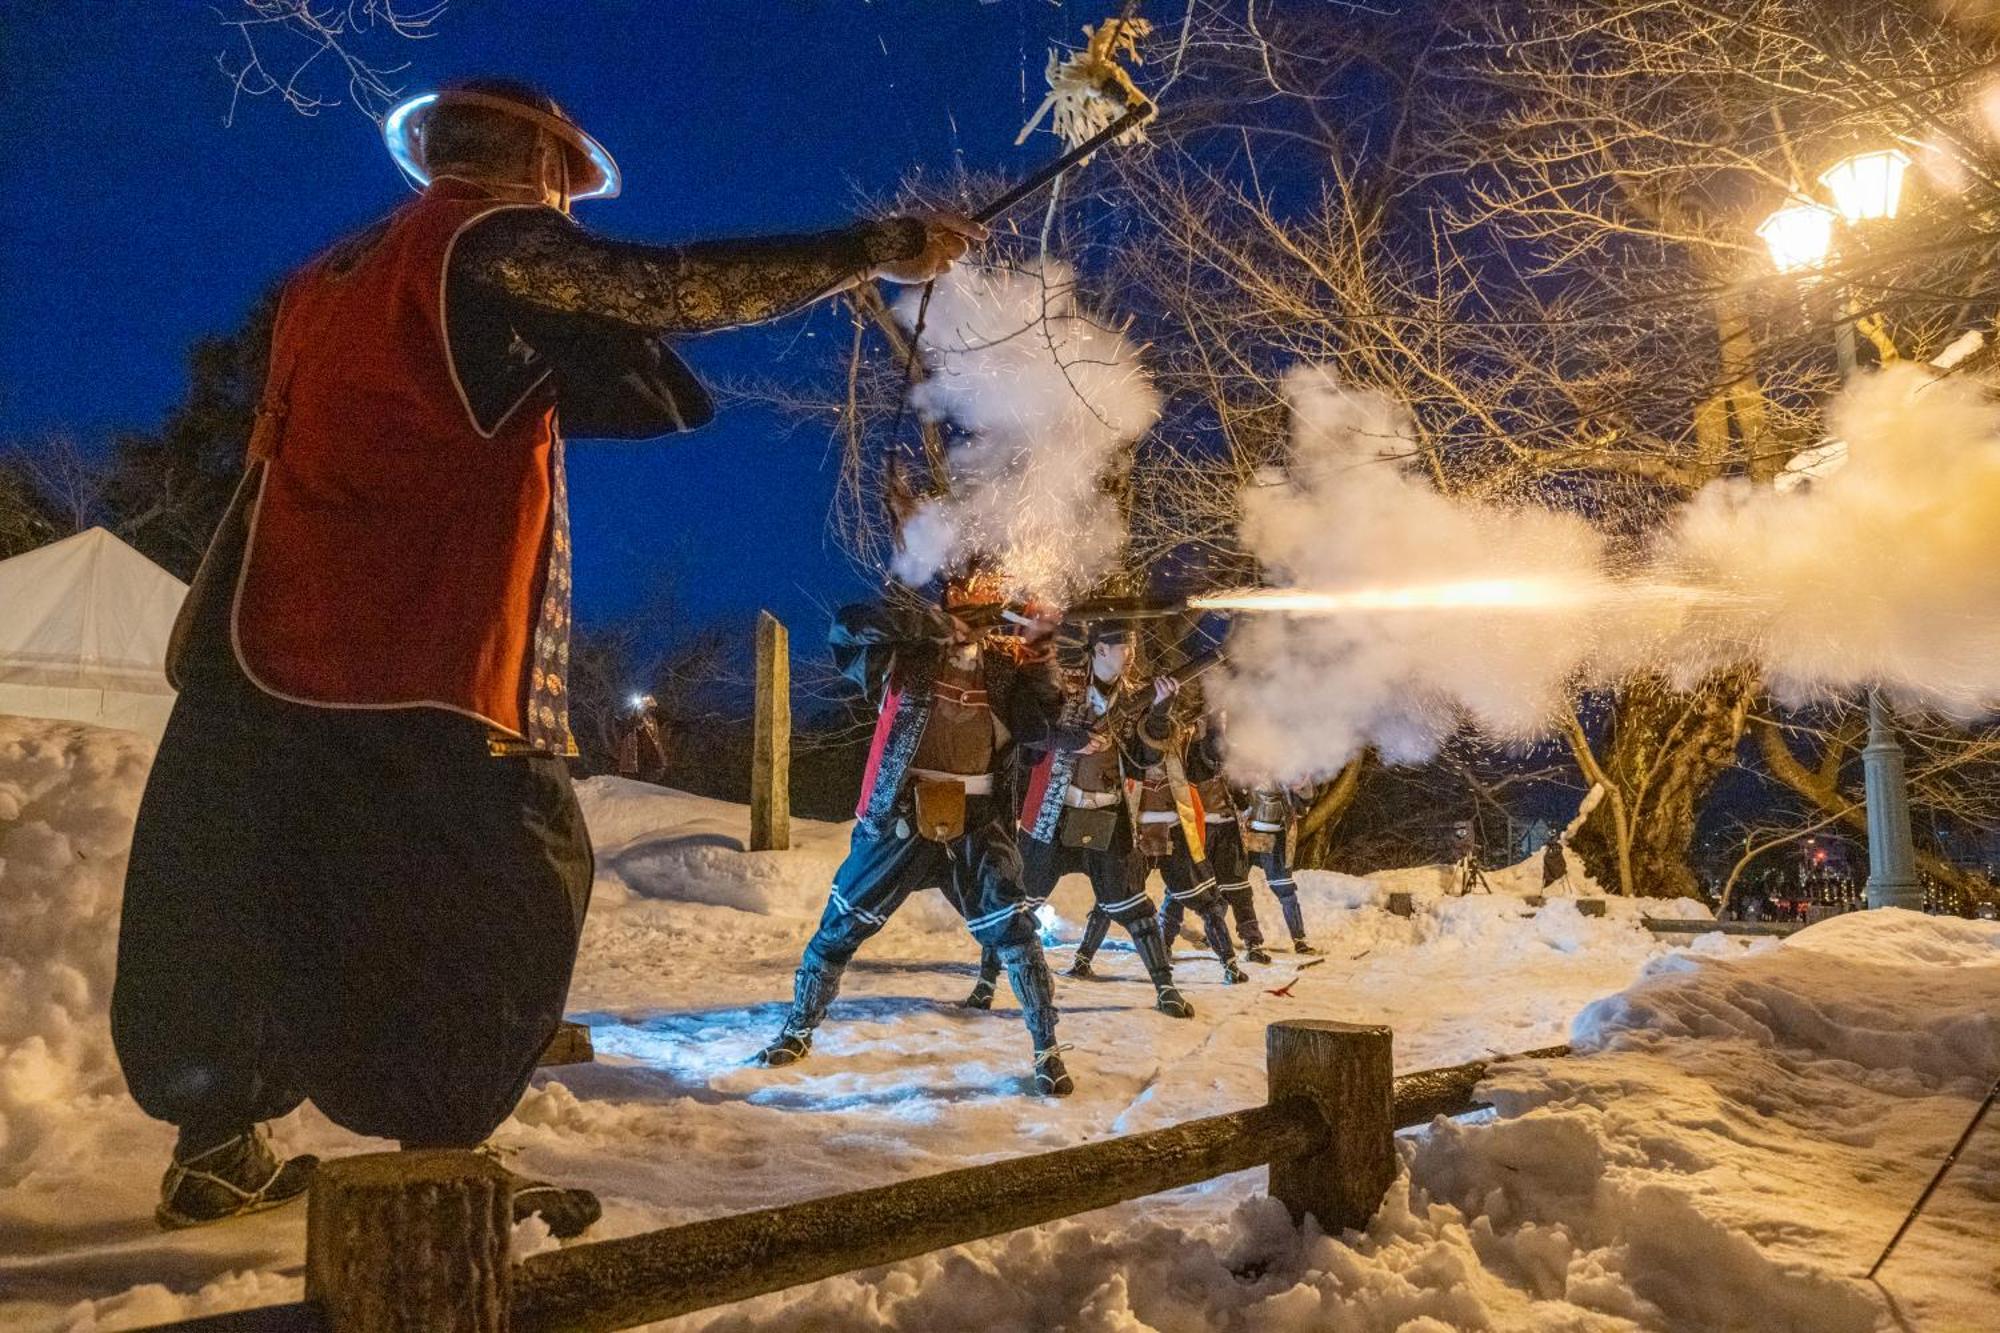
359 872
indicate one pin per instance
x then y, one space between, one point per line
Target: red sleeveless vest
396 553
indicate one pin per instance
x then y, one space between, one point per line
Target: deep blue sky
137 220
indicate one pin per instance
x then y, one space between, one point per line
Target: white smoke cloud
1306 692
1884 571
1047 396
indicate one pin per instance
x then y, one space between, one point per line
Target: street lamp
1865 187
1798 236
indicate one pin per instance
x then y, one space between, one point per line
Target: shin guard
1095 927
1152 949
1295 917
1028 973
814 987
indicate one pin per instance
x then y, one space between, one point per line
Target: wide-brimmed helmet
592 172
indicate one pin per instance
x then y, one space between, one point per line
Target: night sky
137 220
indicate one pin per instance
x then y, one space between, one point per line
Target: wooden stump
570 1046
1345 1070
1590 906
1402 904
771 740
410 1242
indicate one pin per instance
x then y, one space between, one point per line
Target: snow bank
659 846
1900 999
658 843
1738 1138
68 794
1741 1131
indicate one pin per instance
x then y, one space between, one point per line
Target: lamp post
1865 187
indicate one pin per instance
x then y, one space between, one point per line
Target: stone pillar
1892 854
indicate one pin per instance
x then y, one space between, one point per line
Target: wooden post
411 1242
1346 1071
1402 904
570 1046
771 751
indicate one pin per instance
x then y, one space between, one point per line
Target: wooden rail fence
416 1242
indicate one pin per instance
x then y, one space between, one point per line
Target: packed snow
1741 1130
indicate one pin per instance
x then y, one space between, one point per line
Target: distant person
1178 770
642 748
1555 866
1270 826
359 873
1471 874
1222 836
1074 816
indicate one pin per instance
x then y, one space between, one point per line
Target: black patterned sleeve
540 257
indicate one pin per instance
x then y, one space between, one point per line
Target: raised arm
867 637
539 257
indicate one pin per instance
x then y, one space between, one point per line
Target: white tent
84 624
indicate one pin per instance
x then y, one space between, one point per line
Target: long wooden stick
996 207
1992 1095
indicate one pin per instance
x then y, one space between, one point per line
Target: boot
814 986
237 1177
1152 949
567 1212
1168 999
1095 927
1243 908
1051 1078
1300 947
788 1048
982 989
1028 972
1295 917
1215 931
1233 973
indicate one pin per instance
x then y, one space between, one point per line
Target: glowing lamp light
1867 185
1798 236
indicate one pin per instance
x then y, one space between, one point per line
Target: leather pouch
1090 828
940 809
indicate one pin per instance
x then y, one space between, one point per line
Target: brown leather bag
1084 827
940 809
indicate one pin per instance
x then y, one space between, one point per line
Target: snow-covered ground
1743 1130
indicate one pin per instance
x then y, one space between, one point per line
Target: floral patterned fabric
539 257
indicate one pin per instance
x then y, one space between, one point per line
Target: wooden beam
771 750
570 1046
1675 926
619 1284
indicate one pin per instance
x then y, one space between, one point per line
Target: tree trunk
1663 751
1316 825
